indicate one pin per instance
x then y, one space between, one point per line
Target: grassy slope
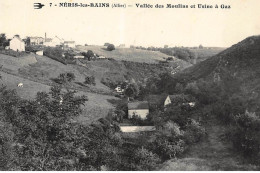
211 154
37 77
126 54
203 54
242 61
134 55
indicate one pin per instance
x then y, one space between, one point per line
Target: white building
36 40
179 98
140 109
56 41
40 52
78 57
17 44
70 44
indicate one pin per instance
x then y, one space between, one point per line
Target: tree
145 159
90 80
88 55
65 78
70 77
110 47
3 39
132 91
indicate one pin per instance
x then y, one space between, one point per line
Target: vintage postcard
129 85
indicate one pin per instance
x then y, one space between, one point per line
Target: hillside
133 55
37 74
127 54
231 119
242 60
205 53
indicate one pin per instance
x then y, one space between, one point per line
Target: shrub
111 47
168 147
56 54
194 132
88 55
65 78
245 134
90 80
145 159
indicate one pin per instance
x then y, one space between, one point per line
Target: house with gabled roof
36 40
180 98
156 101
139 108
53 42
70 44
17 44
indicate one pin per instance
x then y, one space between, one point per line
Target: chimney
45 36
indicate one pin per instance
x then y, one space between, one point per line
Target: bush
88 55
168 147
245 134
194 132
145 160
111 47
90 80
65 78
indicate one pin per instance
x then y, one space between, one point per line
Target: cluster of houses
18 44
141 108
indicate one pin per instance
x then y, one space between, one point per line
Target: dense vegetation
57 54
41 134
226 87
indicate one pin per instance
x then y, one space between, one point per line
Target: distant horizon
9 36
135 26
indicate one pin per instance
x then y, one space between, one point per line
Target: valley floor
211 154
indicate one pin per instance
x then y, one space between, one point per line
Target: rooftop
138 105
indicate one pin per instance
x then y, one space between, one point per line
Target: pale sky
132 25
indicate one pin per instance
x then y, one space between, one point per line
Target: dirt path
212 154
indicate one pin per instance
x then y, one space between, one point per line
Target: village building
36 40
119 89
122 46
78 56
56 41
140 109
17 44
133 129
179 98
156 101
40 52
70 44
101 57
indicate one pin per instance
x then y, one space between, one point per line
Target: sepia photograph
129 85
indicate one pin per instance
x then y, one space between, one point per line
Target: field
35 73
127 54
203 54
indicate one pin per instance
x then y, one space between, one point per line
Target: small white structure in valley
17 44
179 98
118 89
129 129
20 85
140 109
78 57
40 52
101 57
